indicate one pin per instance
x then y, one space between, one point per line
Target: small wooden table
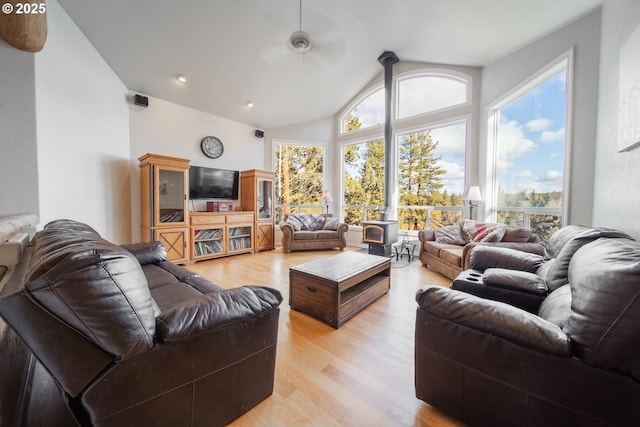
333 289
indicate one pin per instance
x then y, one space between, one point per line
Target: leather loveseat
312 231
447 250
575 362
132 339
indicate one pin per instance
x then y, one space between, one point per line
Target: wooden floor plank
360 374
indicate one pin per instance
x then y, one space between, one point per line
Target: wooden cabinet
216 234
164 183
256 194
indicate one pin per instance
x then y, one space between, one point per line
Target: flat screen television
212 183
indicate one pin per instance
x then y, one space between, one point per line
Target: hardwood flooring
358 375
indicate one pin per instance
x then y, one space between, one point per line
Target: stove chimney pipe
387 59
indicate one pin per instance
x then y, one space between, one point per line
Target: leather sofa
575 362
311 231
523 279
451 256
132 339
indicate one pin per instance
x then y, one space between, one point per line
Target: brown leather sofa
575 362
450 258
131 339
313 232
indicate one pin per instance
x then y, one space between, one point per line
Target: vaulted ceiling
235 51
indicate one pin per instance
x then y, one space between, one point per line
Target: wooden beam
24 25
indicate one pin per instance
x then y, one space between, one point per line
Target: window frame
544 74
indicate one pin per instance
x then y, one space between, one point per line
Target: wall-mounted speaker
259 133
140 100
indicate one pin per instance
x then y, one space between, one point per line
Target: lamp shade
472 193
326 197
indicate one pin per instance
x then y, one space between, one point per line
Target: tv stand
218 234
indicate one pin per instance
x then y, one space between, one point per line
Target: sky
531 137
531 133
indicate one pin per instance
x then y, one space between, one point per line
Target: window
529 161
367 113
299 178
428 154
428 93
363 181
431 165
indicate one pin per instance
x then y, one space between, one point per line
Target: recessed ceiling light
182 79
250 104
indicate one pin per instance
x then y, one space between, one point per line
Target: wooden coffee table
333 289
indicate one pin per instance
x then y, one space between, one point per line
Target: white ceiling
233 51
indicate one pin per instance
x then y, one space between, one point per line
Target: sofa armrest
342 230
214 311
426 235
483 256
515 280
148 252
510 323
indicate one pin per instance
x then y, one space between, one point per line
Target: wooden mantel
24 24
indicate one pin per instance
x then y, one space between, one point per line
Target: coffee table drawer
313 298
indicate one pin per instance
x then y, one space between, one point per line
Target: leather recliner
575 362
132 339
526 279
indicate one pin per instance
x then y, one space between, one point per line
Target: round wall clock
212 147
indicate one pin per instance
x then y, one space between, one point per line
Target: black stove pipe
387 59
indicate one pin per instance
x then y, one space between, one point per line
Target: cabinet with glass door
257 188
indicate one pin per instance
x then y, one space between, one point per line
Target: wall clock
212 147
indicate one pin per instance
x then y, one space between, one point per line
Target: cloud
524 175
551 136
552 175
512 142
537 125
451 139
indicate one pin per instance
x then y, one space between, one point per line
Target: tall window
299 178
529 156
431 166
363 181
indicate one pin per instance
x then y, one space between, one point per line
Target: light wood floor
358 375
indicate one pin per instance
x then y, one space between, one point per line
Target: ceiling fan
300 40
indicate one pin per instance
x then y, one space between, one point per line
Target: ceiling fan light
300 41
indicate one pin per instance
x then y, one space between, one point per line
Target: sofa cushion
516 234
433 247
99 289
305 235
452 255
72 265
326 234
556 274
556 307
451 235
604 324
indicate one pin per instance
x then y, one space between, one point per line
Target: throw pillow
450 235
474 231
310 222
294 222
331 223
495 235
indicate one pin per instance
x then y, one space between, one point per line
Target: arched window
430 92
366 113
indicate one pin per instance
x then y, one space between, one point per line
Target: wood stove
380 235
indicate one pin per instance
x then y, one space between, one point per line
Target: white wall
172 130
616 200
502 76
18 144
83 133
